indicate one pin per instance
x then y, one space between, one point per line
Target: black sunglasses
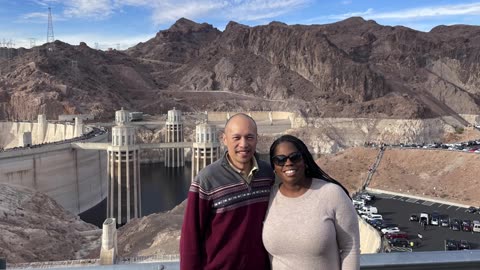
280 160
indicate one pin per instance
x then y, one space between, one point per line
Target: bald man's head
246 116
240 137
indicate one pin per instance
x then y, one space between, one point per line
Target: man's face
240 137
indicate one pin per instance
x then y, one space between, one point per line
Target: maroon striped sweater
222 228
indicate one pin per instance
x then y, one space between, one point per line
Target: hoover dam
39 155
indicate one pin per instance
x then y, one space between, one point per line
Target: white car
367 210
390 230
358 203
373 216
365 196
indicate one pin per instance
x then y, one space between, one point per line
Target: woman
311 222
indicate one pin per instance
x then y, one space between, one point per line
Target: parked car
390 230
463 244
466 225
366 210
471 209
455 224
435 219
383 224
403 235
424 217
451 245
444 221
373 216
476 226
455 227
358 203
399 242
387 225
376 223
366 196
413 217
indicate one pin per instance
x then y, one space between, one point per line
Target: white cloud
408 14
35 15
254 10
46 3
89 8
168 11
447 10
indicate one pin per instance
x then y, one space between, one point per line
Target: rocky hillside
33 227
350 68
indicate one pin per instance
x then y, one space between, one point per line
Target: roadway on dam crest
397 209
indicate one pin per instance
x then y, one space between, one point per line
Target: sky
121 24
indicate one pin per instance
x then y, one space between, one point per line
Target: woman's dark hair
312 169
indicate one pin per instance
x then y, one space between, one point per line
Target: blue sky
124 23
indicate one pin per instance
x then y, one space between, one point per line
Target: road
397 210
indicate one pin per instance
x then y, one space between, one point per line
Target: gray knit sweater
318 230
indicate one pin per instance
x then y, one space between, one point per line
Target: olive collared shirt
246 176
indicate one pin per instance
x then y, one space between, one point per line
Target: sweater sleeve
348 236
192 239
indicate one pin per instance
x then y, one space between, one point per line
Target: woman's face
291 169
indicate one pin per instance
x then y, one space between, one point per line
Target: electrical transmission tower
32 42
50 37
32 46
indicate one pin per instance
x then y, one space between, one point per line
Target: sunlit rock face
35 228
352 68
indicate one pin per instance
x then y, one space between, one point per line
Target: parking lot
397 210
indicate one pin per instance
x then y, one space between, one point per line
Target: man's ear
223 138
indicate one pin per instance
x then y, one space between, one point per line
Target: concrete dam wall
75 178
11 132
256 115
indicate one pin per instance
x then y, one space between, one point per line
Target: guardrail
429 260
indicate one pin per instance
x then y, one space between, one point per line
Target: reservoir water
162 189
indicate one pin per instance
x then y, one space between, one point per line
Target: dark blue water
162 189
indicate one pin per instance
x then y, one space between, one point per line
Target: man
226 206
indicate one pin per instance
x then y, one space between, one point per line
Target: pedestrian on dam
311 222
226 206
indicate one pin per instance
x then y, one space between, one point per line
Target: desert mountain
352 68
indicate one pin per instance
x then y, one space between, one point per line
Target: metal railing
430 260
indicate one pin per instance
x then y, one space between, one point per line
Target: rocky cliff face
70 79
352 68
35 228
